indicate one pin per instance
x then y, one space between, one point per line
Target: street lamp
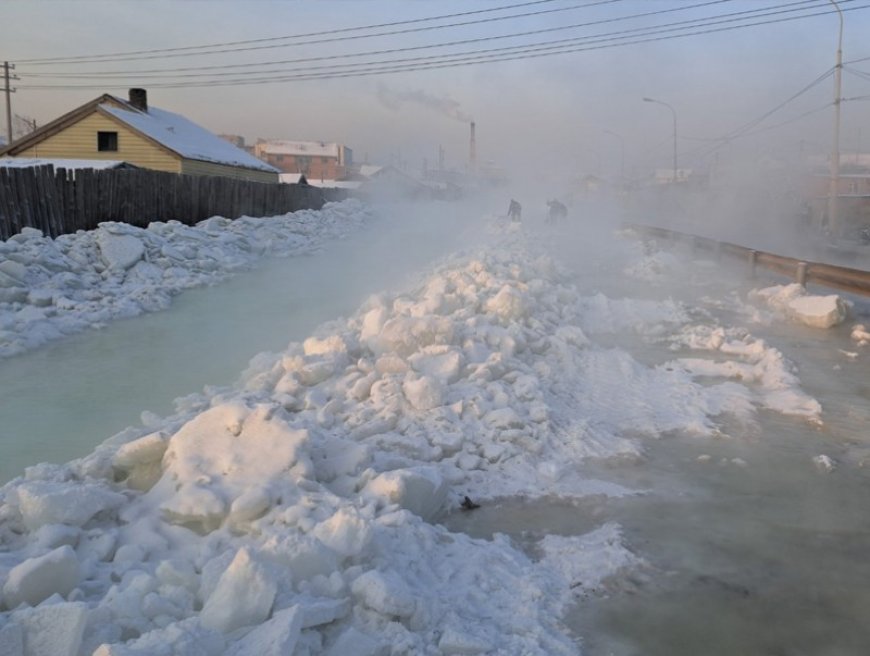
834 191
659 102
622 154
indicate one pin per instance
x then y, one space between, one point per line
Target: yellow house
111 128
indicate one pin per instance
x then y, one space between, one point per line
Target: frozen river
63 399
747 545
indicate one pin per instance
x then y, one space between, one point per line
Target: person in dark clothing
557 211
515 211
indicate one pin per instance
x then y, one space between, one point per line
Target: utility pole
834 191
7 79
674 112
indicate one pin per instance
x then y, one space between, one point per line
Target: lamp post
659 102
621 155
834 190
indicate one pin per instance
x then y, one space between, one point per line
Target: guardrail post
753 263
801 273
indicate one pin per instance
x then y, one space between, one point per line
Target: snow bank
766 378
288 514
55 287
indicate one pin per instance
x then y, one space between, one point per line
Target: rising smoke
394 99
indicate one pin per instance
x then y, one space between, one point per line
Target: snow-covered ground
296 513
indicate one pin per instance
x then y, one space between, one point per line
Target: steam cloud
394 99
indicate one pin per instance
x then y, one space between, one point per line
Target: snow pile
860 334
51 288
587 561
824 463
766 377
289 514
811 310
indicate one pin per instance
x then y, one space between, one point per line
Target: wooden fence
856 281
60 201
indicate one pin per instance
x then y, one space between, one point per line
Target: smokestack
139 99
472 150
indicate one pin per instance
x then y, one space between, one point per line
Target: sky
565 114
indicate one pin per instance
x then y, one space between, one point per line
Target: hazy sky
554 114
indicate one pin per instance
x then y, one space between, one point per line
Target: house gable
152 138
78 139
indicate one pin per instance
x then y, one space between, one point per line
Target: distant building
666 176
853 192
388 181
317 160
110 128
236 139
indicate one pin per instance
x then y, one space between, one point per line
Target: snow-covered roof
185 137
27 162
312 148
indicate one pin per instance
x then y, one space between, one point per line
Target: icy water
63 399
763 558
749 547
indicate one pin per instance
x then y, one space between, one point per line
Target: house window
107 141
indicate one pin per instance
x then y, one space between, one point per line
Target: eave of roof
53 127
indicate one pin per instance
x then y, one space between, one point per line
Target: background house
314 159
129 130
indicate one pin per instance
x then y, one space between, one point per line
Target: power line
428 46
855 71
751 124
222 48
455 60
745 130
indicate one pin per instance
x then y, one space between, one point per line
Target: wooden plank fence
60 201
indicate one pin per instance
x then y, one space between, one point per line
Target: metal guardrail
855 281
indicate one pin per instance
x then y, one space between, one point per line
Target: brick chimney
139 99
